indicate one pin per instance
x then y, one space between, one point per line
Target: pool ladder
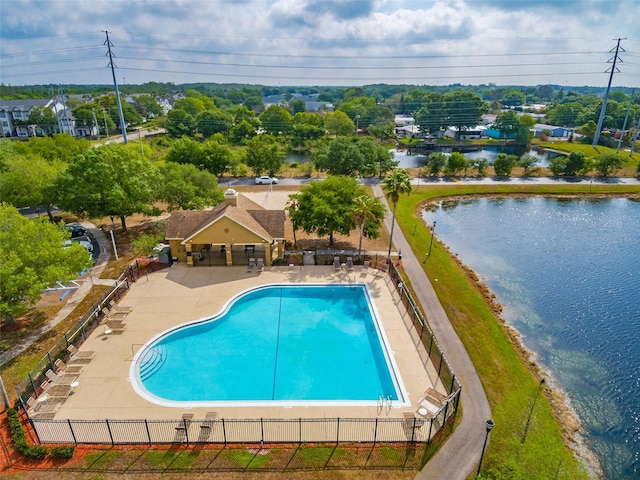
384 403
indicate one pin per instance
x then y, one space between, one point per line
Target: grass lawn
509 378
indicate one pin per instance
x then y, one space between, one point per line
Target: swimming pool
274 345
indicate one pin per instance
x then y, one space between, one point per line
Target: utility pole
95 123
115 84
106 128
624 125
613 69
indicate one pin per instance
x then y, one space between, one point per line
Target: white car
266 180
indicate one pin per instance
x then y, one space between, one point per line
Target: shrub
63 451
36 452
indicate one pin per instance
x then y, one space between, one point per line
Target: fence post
430 428
300 429
224 432
440 366
72 432
375 432
146 424
453 381
338 431
430 345
33 385
261 432
106 420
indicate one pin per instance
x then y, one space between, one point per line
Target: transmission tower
115 84
613 69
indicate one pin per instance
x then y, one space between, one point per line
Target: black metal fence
340 431
79 332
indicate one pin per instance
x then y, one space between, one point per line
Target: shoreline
574 433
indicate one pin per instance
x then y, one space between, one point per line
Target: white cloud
337 41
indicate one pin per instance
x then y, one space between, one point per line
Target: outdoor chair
114 306
349 263
336 262
62 379
64 369
252 265
115 315
260 266
88 354
428 409
207 425
365 266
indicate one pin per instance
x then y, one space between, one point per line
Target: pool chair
428 409
365 266
75 353
115 315
260 266
64 369
61 379
336 262
207 425
252 265
349 263
115 307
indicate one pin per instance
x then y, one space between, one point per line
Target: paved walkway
460 455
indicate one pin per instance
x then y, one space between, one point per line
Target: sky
320 42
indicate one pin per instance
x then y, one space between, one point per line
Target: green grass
507 377
585 148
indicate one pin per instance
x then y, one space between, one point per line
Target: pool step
152 360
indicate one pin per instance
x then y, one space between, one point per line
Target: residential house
473 133
552 131
15 113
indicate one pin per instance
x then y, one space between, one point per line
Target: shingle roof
269 224
24 104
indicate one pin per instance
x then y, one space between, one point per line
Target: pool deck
182 294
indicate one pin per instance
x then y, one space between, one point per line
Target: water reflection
490 153
567 273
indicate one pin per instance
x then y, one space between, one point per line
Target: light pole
431 242
489 424
533 405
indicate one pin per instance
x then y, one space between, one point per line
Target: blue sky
320 42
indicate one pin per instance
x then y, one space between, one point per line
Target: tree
575 163
264 154
179 123
214 121
558 165
433 115
276 120
216 157
185 187
512 98
147 106
32 258
524 131
368 213
481 165
608 163
27 181
298 106
44 118
131 116
507 123
456 162
395 184
340 156
112 180
503 164
186 150
243 130
194 106
435 163
254 102
564 114
339 123
464 109
528 164
326 207
588 130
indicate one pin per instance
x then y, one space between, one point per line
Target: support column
227 249
189 255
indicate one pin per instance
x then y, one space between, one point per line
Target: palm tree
365 209
394 184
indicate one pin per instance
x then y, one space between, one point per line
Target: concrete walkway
460 455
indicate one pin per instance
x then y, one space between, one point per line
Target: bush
63 451
36 452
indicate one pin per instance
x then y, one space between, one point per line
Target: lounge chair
365 266
115 315
61 379
252 265
114 326
349 263
81 354
64 369
114 306
207 425
336 262
260 265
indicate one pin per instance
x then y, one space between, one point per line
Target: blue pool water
275 343
568 275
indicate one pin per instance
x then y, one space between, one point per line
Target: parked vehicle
266 180
76 230
85 242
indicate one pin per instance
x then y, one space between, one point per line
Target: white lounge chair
336 262
252 265
89 354
349 263
260 265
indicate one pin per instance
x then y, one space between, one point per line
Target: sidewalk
459 456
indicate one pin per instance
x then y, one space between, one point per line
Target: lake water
490 153
568 275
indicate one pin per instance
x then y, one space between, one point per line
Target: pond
490 153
